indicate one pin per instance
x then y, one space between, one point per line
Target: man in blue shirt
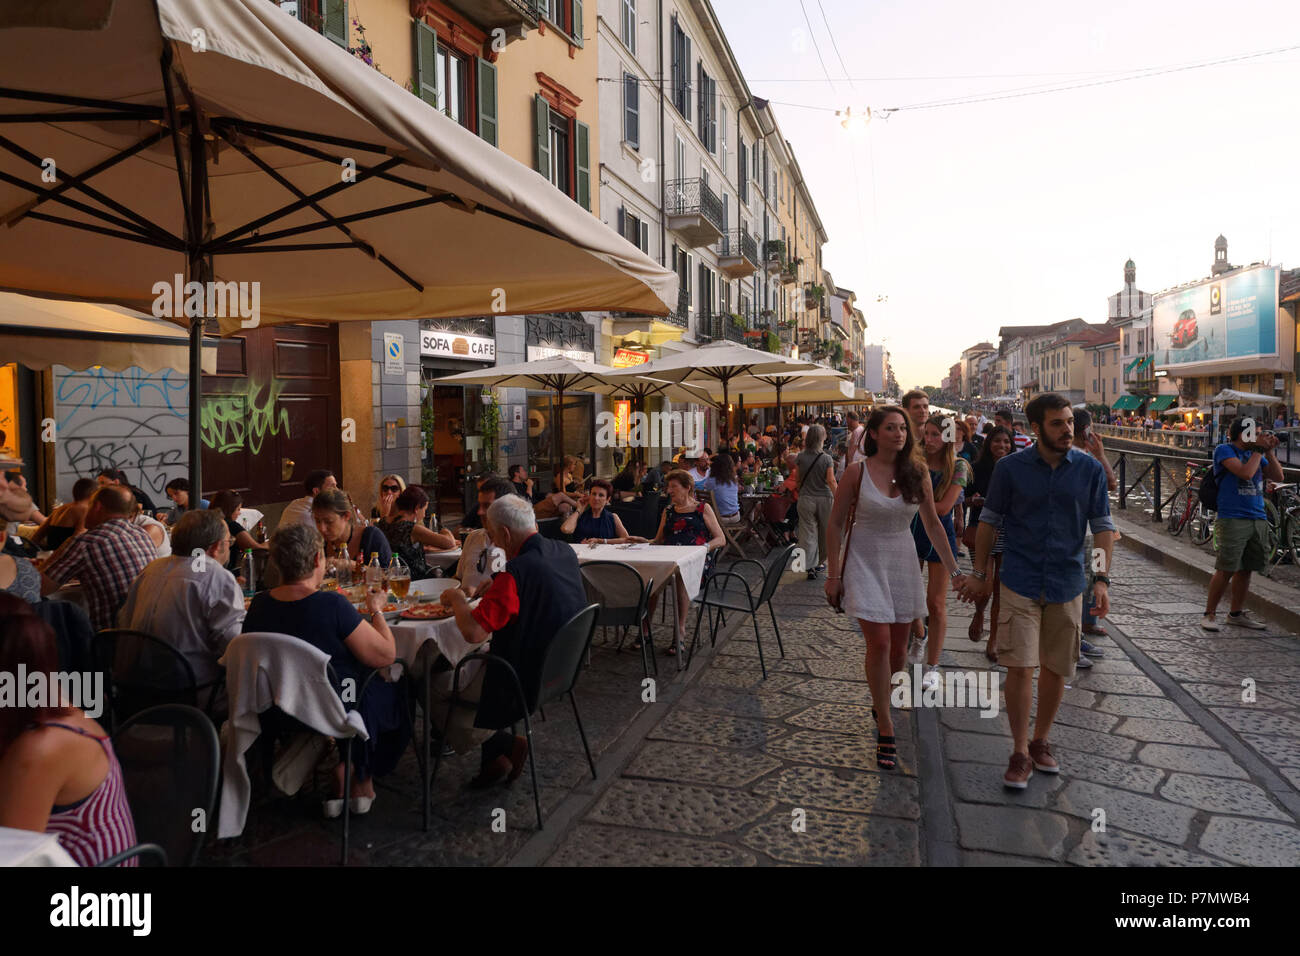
1044 497
1241 527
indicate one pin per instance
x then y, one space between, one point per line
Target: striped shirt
100 826
105 560
1022 440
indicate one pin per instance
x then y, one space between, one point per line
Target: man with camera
1240 466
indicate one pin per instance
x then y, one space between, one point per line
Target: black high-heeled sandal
886 752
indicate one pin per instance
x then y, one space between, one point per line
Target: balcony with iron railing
694 211
512 16
681 316
738 254
774 256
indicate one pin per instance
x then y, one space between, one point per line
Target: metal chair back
618 590
171 760
144 671
777 561
564 656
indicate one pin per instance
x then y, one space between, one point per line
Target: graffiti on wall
235 420
129 419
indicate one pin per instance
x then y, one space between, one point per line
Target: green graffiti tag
233 420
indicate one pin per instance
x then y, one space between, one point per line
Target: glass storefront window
457 452
579 431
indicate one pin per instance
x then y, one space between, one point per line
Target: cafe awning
1161 402
1231 396
1126 403
38 333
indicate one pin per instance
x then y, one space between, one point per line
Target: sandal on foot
991 653
976 629
886 753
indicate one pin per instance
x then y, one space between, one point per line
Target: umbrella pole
726 414
558 433
780 420
200 269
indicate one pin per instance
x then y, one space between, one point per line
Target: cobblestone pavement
1156 736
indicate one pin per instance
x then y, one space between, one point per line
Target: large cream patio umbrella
225 143
720 363
819 386
560 375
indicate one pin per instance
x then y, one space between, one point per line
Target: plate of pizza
427 612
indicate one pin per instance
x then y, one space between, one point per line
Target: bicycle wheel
1178 512
1274 529
1291 534
1202 525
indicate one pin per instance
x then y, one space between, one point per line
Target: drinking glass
399 579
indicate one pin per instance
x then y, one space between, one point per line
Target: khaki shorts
1243 544
1030 633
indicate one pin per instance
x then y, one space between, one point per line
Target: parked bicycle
1186 504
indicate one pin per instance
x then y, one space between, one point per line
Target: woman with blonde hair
949 476
390 486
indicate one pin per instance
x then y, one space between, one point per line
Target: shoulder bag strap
853 515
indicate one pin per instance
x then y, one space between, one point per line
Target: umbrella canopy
232 146
721 363
821 386
39 333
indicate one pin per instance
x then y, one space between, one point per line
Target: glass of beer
399 579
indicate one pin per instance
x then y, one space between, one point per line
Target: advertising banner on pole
1227 323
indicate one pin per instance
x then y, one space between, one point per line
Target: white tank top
164 550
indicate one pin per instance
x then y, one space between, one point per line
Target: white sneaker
1083 663
1244 620
930 678
1208 623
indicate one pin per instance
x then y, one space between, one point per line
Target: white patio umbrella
722 363
819 386
216 140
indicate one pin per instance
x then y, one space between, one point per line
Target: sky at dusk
1023 211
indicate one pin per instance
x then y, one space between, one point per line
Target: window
1114 386
463 87
327 17
559 149
452 85
562 151
565 15
679 146
742 181
681 70
634 229
722 129
628 25
708 115
631 111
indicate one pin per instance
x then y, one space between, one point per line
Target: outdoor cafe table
26 848
658 561
410 636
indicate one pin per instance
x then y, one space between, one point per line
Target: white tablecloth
25 848
411 635
442 559
653 560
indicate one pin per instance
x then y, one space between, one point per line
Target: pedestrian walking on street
1044 498
816 470
1241 528
873 574
997 444
949 476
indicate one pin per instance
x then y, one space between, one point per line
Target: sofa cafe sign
468 348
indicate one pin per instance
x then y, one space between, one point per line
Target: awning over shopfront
1232 397
1161 402
1126 403
39 333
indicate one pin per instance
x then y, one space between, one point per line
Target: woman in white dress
882 584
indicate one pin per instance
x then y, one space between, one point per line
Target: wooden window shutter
631 110
487 101
334 21
426 62
576 31
622 220
645 237
542 135
583 162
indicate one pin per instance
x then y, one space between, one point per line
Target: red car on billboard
1184 330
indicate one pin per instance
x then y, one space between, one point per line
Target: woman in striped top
58 773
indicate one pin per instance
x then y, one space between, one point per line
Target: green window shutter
577 23
426 60
542 135
583 192
487 101
334 21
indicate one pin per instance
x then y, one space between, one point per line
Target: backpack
1208 493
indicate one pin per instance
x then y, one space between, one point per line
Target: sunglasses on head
388 488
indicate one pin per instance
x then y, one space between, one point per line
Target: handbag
848 539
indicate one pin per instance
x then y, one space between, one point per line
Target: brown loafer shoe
1019 770
518 756
1095 631
492 774
1040 752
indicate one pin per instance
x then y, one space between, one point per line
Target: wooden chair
706 498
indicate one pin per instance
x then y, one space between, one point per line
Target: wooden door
271 412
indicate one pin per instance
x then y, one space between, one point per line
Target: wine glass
399 579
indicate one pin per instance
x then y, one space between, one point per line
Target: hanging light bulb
854 121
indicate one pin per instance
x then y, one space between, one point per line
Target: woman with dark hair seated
404 528
356 645
724 486
596 523
230 503
58 773
337 522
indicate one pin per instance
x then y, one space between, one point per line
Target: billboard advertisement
1218 323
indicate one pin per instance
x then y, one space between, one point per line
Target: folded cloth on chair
264 671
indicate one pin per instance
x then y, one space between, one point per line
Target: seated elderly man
106 559
478 557
521 611
189 599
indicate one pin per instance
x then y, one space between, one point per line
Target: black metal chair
142 850
631 514
736 590
555 679
171 763
143 671
624 601
550 527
